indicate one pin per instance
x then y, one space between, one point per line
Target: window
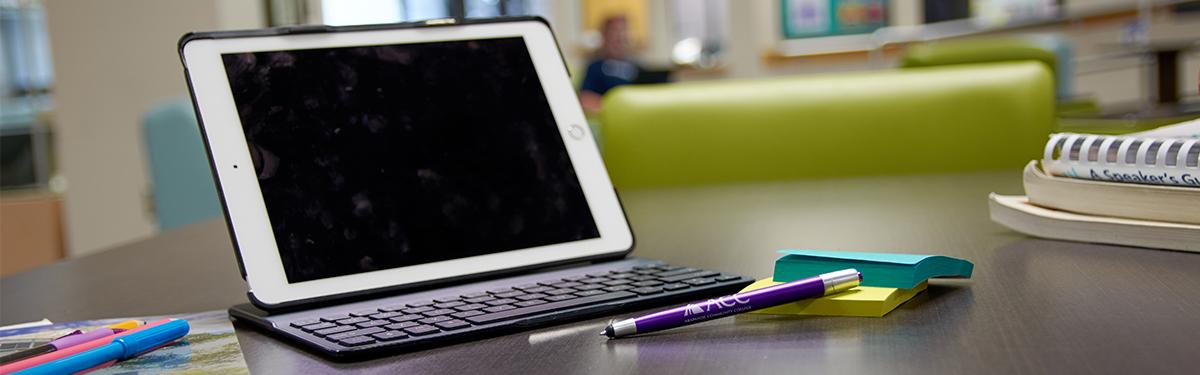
360 12
26 76
992 12
699 31
26 67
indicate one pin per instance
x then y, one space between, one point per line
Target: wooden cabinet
31 230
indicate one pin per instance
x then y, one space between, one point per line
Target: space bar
525 311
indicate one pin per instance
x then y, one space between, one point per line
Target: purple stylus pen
696 312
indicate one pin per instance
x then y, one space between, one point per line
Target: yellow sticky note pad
867 301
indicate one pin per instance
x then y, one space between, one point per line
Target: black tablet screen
378 157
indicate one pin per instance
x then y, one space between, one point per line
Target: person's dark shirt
605 74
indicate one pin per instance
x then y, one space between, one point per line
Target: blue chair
184 192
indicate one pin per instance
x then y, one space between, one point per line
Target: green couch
1050 49
920 120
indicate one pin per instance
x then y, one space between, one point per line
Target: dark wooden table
1033 306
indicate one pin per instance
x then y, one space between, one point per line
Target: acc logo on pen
719 303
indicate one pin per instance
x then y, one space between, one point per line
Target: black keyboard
438 319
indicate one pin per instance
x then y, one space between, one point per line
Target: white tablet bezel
243 199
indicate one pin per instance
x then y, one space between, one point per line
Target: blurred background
98 146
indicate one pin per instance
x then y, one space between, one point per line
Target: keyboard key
549 282
356 341
510 294
318 326
675 272
389 335
595 280
306 322
357 332
334 330
526 311
445 299
647 290
393 308
619 288
589 287
540 289
527 286
446 305
450 325
501 302
421 330
569 284
621 275
418 310
644 266
352 321
473 306
561 291
670 268
562 297
440 312
420 304
474 295
479 299
465 314
532 302
701 281
402 325
647 272
405 318
686 276
434 319
501 290
386 315
676 286
598 274
334 318
575 278
590 293
364 312
532 296
617 282
727 277
373 323
499 308
648 283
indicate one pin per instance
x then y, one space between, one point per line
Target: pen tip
603 333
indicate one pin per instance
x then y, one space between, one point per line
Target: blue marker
120 348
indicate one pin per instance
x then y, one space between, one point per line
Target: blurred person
611 67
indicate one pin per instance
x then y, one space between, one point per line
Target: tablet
353 160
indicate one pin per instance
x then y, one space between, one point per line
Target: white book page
1186 130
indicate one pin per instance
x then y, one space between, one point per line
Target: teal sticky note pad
888 270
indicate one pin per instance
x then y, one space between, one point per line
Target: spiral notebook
1164 156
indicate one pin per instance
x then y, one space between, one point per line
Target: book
888 270
862 301
1017 213
1166 156
1134 201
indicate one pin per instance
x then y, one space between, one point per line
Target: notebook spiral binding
1161 161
